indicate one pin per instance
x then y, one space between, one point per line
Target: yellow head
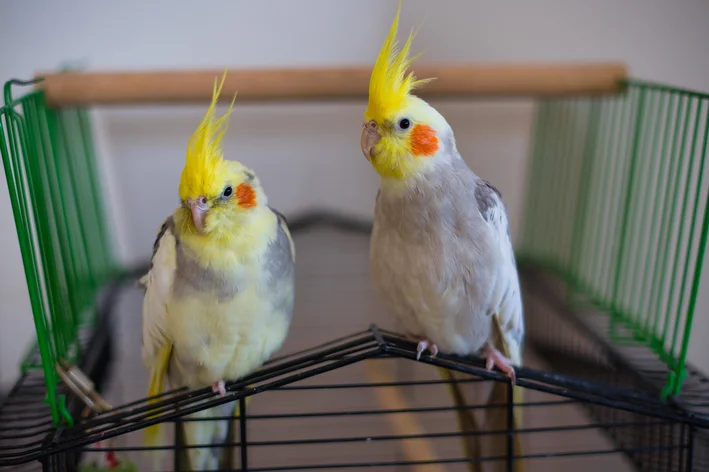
400 134
215 194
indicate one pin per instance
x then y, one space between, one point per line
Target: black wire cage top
26 436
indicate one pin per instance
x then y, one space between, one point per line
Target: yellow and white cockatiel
220 291
440 251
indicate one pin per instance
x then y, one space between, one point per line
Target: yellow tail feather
157 381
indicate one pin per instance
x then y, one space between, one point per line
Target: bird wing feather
506 302
156 348
158 287
507 333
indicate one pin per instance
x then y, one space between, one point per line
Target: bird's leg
423 343
493 357
219 387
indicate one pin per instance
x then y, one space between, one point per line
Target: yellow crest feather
204 152
389 83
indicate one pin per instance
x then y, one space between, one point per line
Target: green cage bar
52 179
617 207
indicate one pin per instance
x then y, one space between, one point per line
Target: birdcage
610 273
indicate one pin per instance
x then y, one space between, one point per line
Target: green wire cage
52 178
616 208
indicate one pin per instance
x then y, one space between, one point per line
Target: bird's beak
199 209
370 137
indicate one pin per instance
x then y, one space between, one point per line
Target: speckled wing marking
490 204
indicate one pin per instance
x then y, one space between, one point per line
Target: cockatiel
440 250
220 290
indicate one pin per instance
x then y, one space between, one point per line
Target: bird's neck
234 244
421 181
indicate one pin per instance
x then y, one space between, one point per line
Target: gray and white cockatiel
441 254
219 295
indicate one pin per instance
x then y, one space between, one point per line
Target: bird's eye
227 192
404 123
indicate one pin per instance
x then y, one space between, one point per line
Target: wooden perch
258 85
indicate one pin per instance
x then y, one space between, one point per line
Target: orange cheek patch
424 141
246 196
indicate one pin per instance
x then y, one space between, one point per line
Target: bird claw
423 344
493 357
219 387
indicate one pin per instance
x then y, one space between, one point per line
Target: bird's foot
219 387
493 357
423 344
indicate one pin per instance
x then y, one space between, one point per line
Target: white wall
308 155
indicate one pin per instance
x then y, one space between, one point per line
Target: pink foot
423 343
495 358
219 387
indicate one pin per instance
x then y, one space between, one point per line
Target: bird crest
389 84
204 152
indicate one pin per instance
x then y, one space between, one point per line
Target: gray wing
507 299
280 266
283 246
491 206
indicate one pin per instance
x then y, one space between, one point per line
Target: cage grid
642 412
577 342
589 260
